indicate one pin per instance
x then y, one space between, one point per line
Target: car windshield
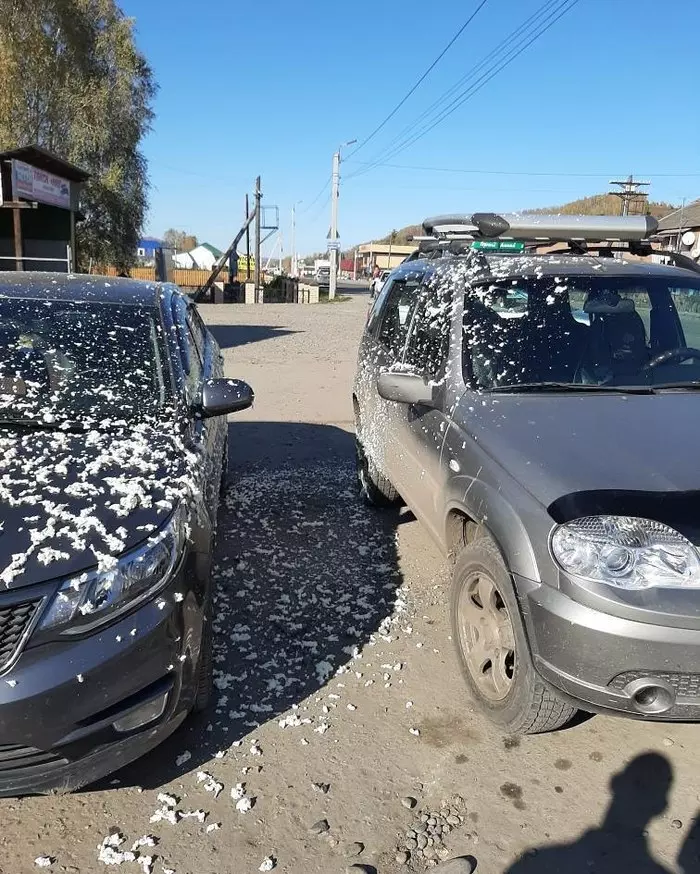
65 361
597 331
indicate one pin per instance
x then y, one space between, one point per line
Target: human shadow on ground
230 336
305 574
639 794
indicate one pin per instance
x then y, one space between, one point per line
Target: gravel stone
457 800
422 842
318 828
354 849
409 802
432 821
411 844
453 819
460 865
402 857
420 829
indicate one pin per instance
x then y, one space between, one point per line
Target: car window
191 357
197 329
397 313
429 336
378 306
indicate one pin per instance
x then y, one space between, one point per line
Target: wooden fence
183 278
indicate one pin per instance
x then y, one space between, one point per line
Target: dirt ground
338 695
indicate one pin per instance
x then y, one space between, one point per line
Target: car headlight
626 552
95 597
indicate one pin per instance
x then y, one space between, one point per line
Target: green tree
74 82
179 240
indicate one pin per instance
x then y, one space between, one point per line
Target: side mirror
405 388
222 396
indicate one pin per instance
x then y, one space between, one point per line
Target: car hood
69 499
556 445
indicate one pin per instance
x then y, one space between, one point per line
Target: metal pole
17 218
294 241
354 265
258 198
334 226
680 227
247 240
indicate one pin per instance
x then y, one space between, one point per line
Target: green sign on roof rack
499 245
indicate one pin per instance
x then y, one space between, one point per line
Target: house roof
686 217
217 253
44 160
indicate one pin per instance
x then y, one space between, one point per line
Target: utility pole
334 244
354 264
258 198
629 192
680 227
294 264
247 239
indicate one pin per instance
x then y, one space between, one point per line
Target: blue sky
273 88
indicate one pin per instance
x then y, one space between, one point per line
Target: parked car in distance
538 415
113 443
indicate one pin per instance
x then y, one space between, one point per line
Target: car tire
492 646
374 487
205 667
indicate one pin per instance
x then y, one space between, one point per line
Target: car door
382 348
424 428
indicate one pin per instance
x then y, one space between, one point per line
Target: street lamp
334 244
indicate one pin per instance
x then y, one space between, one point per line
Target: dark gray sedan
540 415
113 443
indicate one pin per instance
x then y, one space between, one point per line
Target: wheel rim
486 637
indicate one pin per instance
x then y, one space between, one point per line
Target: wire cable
316 199
422 78
472 71
500 64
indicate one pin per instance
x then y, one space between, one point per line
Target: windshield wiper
570 387
690 386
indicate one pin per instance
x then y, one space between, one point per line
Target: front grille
15 619
14 756
685 685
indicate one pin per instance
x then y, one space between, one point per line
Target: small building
206 256
680 230
183 261
146 250
39 203
384 255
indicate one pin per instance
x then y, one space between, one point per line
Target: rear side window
397 313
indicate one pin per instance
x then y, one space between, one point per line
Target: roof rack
541 228
603 235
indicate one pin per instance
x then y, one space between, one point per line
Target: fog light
141 715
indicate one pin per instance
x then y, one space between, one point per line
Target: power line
422 78
671 175
317 198
564 7
515 34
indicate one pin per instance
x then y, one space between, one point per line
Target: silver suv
538 414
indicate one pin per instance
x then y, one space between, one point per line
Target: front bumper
602 661
61 699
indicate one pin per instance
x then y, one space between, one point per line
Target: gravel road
340 732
